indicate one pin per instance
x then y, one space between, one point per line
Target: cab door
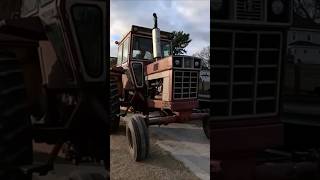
85 21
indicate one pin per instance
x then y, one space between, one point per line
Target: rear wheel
114 105
138 137
15 125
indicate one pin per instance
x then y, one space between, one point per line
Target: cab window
119 61
125 51
166 49
142 48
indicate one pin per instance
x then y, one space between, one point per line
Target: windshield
142 48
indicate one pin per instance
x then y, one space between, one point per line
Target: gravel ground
187 143
159 165
62 168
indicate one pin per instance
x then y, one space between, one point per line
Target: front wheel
138 137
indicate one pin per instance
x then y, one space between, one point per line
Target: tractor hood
174 62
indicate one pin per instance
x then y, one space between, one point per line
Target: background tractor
157 87
52 82
249 48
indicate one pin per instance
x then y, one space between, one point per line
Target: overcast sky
190 16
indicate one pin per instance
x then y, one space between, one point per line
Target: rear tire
114 105
15 125
138 138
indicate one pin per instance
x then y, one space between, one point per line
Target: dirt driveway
159 165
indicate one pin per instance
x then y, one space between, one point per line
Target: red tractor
158 87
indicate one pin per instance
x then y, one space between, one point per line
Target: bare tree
307 9
204 54
8 8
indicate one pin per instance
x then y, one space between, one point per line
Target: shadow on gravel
163 160
181 134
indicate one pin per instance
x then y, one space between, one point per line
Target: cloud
190 16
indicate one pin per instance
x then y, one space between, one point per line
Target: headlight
277 7
197 63
217 5
177 62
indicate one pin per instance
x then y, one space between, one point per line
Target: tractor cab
137 46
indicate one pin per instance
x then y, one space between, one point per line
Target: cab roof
144 31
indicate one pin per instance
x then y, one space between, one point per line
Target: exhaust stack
156 39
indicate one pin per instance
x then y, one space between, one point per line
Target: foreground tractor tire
15 125
114 105
138 137
206 127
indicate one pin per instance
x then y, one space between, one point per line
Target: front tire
138 138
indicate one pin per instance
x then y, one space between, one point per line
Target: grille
246 74
249 9
185 84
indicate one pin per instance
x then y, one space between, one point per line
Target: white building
302 72
304 45
204 84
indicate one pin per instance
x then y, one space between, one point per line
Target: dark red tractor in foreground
52 82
